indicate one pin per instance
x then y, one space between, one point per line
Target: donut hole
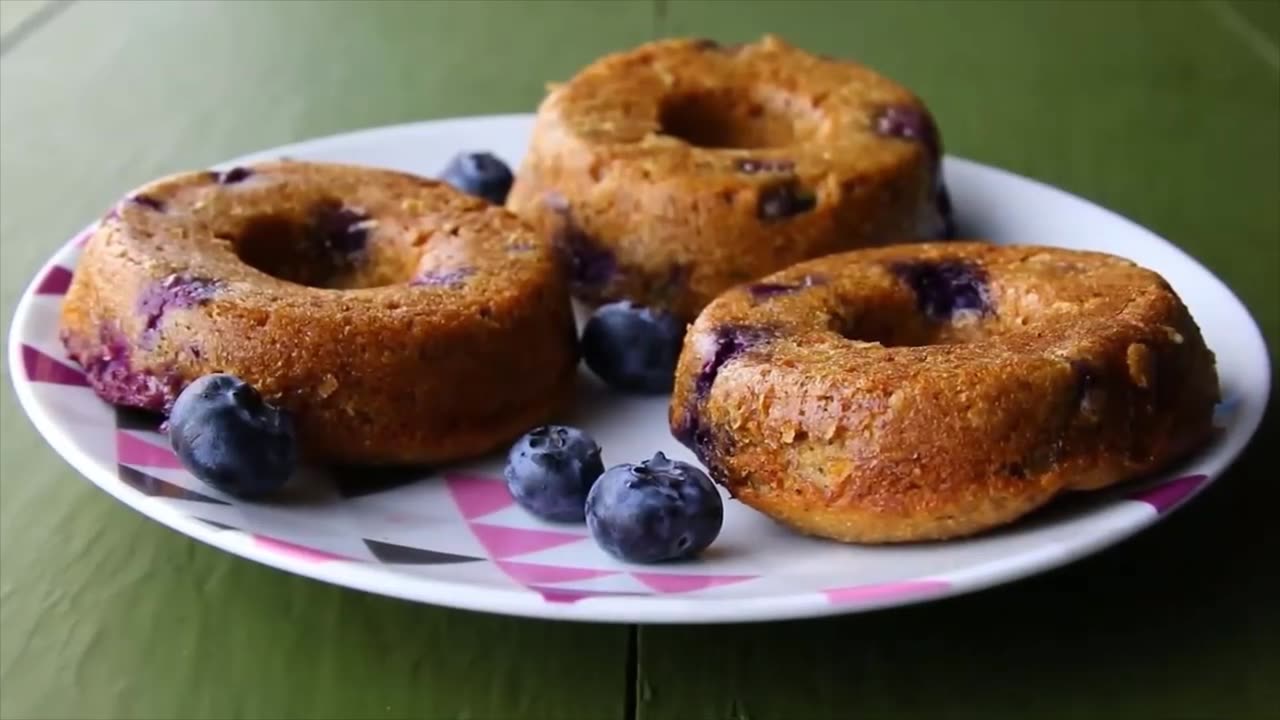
935 302
906 328
897 321
733 117
325 247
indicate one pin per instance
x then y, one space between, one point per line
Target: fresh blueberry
480 174
550 470
658 510
227 436
633 348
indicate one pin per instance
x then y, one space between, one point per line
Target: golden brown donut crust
676 170
938 390
398 319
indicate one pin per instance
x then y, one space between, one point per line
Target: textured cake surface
398 319
936 390
678 169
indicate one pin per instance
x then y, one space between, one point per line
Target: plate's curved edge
635 609
1256 337
367 577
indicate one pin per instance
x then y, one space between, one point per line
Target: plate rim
655 609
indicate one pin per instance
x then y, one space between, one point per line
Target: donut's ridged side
873 444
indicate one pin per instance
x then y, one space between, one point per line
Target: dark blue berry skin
550 470
656 511
481 174
228 437
633 348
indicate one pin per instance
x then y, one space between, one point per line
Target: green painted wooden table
1166 112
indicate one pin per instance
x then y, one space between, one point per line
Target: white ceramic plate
454 537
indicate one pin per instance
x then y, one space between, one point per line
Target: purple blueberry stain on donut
725 344
107 365
234 175
338 228
454 278
591 266
909 123
946 287
783 201
752 166
729 342
691 433
177 291
147 201
762 291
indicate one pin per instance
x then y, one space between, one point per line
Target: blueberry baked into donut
397 319
937 390
681 168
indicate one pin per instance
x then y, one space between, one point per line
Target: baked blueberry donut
681 168
936 390
400 321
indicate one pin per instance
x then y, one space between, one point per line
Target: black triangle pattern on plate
217 525
355 481
394 554
131 419
155 487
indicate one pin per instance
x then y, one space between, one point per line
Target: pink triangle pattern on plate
674 583
505 542
43 369
297 552
857 594
478 495
1167 496
55 282
531 574
135 451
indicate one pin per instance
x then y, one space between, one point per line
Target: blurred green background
1168 112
